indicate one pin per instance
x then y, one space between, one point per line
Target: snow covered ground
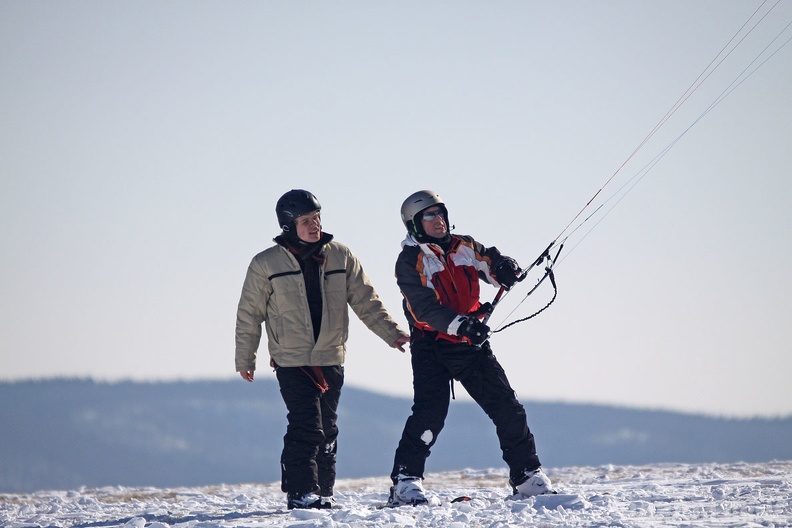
744 495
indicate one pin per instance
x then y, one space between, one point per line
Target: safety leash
549 261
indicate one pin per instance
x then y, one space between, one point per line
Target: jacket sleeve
490 256
251 312
367 305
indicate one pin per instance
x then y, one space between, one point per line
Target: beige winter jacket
274 293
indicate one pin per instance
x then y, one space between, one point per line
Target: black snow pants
308 460
434 364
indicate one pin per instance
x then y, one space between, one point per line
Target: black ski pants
308 460
434 364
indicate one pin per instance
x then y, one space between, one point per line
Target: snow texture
745 495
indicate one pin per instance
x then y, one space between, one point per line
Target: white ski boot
535 483
407 491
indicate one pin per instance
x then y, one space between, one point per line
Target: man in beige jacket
300 289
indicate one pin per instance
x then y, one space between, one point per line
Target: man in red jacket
438 274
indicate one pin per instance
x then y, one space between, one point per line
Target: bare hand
247 375
399 343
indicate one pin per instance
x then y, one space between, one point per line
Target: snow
737 494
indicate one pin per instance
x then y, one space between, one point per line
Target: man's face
309 227
434 222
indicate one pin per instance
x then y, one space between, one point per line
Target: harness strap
317 376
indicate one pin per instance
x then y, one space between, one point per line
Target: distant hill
64 434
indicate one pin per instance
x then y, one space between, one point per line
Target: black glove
474 330
507 272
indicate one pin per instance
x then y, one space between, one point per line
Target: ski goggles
430 216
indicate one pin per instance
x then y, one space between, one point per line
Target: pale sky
144 144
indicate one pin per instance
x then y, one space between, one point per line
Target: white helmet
414 204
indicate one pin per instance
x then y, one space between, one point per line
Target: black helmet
294 203
414 204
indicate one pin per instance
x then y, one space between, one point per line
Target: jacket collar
411 241
304 250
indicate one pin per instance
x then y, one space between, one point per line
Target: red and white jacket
441 288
